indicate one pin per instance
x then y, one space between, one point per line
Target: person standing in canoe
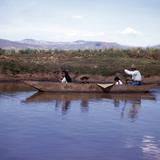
65 77
136 75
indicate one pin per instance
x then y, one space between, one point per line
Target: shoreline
55 78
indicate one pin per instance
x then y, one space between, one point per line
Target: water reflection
64 105
64 100
150 147
14 87
50 125
84 106
134 107
129 103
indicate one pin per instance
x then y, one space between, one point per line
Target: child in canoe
65 77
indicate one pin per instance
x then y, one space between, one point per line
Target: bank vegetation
100 62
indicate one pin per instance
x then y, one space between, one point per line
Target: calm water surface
47 126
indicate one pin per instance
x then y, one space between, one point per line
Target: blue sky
124 21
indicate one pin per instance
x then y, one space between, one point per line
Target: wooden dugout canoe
45 86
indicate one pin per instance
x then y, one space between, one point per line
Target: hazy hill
7 44
157 46
80 44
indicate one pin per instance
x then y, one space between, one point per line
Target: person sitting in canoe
136 75
117 81
66 77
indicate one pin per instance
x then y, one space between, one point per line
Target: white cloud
131 31
77 17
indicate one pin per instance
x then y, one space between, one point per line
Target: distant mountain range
157 46
80 44
36 44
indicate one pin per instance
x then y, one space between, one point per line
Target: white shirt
64 80
136 75
119 82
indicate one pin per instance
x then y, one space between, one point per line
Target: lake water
43 126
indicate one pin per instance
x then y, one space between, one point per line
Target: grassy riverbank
92 62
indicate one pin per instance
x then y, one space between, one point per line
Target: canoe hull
88 87
63 87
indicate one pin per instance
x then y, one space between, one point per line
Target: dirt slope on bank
57 78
